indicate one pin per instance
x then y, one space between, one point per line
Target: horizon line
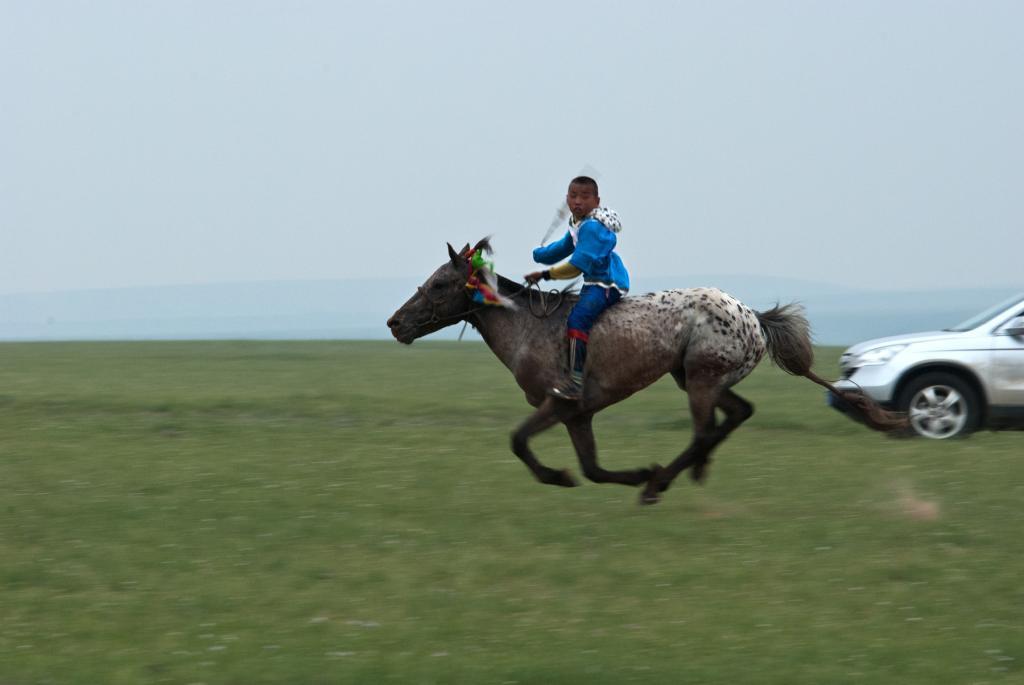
282 281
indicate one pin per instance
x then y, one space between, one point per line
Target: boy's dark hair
585 181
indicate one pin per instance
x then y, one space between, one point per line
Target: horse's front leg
581 432
542 419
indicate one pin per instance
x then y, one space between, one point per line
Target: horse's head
441 301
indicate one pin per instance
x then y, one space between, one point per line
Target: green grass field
307 512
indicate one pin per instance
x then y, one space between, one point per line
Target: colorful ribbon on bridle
480 279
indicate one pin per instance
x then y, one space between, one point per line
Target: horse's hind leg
582 434
737 410
706 437
540 420
704 396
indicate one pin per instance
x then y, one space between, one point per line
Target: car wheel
941 405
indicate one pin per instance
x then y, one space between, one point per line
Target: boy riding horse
590 246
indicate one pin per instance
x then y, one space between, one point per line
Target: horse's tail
789 343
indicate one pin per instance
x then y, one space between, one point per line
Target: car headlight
878 356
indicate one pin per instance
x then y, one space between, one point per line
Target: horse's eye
437 286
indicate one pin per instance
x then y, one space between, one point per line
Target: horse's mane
509 287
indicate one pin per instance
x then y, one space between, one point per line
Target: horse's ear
457 260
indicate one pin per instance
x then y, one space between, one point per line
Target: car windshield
989 313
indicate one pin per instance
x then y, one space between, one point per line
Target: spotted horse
708 340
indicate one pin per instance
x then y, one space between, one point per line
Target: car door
1006 383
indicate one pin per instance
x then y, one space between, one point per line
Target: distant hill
358 309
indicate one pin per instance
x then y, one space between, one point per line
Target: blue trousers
593 300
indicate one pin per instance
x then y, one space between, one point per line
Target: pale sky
203 141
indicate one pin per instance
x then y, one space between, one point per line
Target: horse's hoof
651 493
562 478
657 482
649 496
566 480
699 473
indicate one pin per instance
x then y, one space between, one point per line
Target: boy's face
581 200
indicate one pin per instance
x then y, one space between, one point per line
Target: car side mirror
1015 327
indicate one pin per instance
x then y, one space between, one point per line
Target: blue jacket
593 253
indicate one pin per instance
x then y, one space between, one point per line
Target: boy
590 246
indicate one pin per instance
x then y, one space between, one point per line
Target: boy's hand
534 277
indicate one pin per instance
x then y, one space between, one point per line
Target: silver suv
949 382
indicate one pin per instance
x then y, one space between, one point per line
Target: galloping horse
706 339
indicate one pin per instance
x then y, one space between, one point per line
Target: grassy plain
345 512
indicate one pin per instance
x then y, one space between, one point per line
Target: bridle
434 304
545 310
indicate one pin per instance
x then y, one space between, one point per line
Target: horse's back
685 308
670 329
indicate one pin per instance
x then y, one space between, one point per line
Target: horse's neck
498 327
511 333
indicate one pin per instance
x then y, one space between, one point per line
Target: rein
546 309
